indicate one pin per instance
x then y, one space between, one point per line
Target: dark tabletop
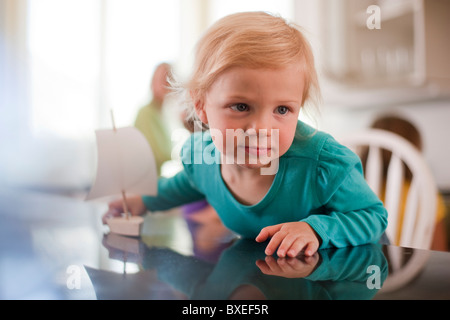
55 247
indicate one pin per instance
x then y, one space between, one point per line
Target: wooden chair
418 218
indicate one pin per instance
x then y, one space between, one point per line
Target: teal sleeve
173 192
349 263
346 273
352 215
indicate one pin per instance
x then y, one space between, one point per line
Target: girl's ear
199 108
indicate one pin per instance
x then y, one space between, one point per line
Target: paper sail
125 164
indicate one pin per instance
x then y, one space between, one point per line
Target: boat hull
126 226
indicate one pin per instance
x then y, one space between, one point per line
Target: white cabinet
411 47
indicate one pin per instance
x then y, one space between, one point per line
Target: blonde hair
251 40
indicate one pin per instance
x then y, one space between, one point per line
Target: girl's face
253 113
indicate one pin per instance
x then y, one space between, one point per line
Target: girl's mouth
257 151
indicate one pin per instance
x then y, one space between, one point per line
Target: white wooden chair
419 215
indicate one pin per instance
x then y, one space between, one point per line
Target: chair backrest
418 218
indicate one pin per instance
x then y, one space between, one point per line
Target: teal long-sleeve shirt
318 181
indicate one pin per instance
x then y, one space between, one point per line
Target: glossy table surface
55 247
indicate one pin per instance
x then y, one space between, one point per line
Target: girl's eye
241 107
282 109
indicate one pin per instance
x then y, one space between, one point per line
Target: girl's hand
290 238
289 267
115 209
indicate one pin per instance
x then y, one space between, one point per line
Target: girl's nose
260 125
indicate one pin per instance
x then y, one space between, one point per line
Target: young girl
267 174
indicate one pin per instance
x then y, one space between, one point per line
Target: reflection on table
54 247
243 271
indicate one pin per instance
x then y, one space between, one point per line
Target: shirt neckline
267 197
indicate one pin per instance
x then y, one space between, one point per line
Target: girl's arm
172 192
353 214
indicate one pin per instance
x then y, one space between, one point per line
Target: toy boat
125 164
